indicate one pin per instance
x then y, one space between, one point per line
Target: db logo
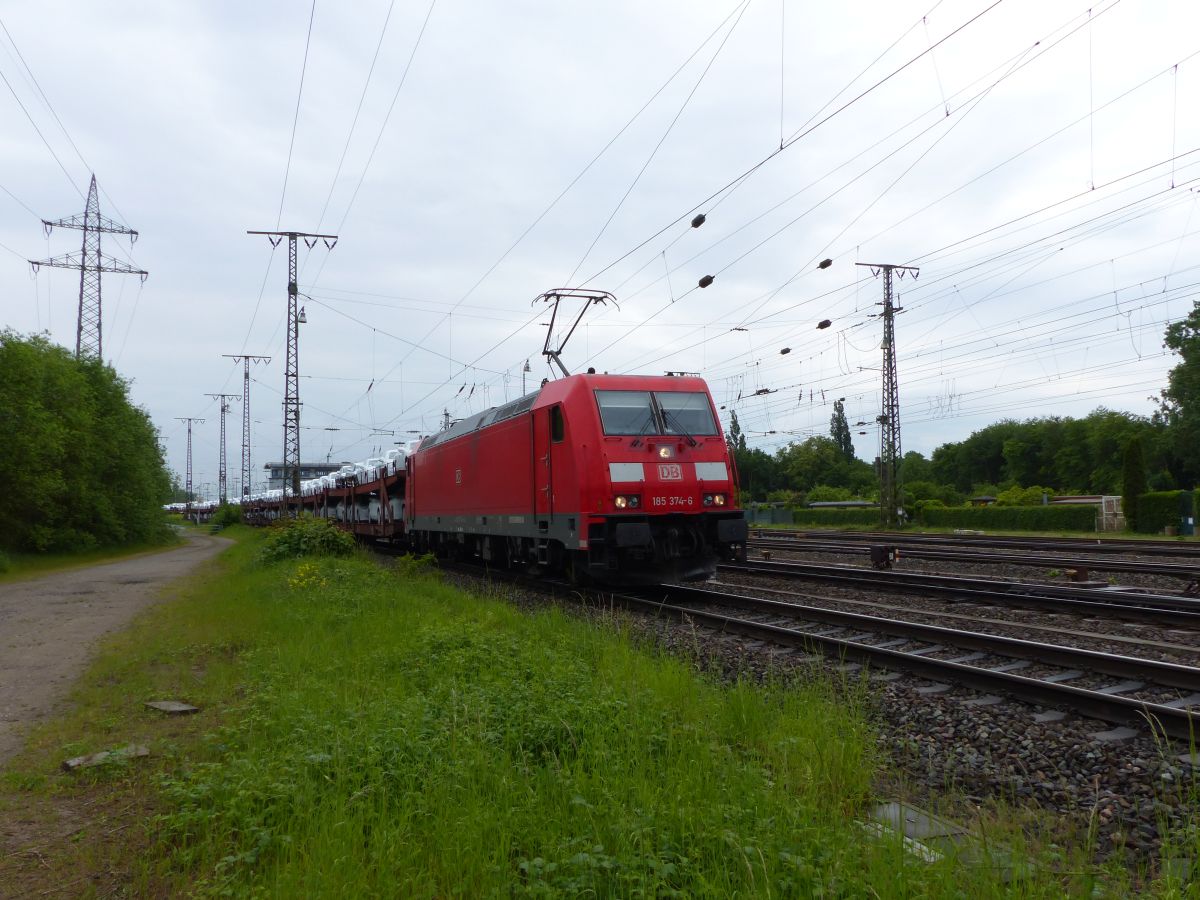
670 472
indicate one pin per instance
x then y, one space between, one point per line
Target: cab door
543 487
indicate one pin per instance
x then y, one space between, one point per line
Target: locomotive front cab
667 505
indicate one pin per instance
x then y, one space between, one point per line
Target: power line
357 110
649 159
296 118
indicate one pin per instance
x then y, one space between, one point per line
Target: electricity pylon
246 416
291 378
889 419
222 479
188 484
90 262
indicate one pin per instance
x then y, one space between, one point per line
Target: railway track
1185 571
1156 609
1170 692
1146 694
1090 546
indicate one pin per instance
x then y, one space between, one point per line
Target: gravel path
48 626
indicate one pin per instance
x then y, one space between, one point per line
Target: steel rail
1081 545
1174 570
1108 707
1155 609
1171 720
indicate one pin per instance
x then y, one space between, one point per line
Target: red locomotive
622 478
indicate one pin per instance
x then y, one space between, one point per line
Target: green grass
374 733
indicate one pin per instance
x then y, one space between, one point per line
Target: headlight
620 502
719 500
664 453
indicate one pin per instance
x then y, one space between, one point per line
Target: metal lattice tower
889 418
222 478
90 261
188 484
291 378
246 416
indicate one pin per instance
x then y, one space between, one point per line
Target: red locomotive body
626 478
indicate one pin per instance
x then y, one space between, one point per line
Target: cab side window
557 427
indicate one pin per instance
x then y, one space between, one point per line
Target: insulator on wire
706 281
824 323
785 351
825 264
698 221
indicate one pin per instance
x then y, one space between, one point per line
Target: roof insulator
825 264
706 281
698 221
824 323
785 351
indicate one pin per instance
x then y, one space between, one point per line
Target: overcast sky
1040 165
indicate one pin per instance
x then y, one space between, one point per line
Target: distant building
307 470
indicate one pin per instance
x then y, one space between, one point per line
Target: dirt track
49 626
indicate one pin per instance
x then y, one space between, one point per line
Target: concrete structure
307 470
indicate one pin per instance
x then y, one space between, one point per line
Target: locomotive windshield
685 412
627 412
663 412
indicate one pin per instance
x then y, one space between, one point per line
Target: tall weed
305 536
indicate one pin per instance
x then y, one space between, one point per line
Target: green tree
735 439
759 473
1180 404
839 430
915 467
819 461
81 465
1133 482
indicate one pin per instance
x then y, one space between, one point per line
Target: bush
5 563
838 518
1158 509
306 536
916 492
225 515
1019 496
1013 518
824 493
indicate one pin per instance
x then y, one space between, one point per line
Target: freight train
620 479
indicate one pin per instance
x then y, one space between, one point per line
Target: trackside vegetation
375 732
80 464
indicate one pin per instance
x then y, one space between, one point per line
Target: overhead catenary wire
457 342
596 158
654 152
1015 64
287 169
797 137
